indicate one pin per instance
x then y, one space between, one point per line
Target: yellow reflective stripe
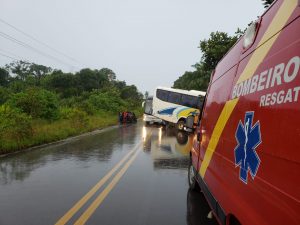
225 114
279 20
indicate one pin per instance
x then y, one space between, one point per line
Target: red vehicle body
246 154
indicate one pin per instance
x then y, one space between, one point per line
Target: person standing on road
120 117
124 116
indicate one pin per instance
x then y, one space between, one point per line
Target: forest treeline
39 104
213 49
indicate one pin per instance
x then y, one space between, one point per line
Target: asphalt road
128 174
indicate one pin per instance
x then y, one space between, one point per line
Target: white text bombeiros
278 75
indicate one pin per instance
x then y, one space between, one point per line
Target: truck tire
180 124
192 177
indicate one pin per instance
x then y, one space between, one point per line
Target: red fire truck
246 154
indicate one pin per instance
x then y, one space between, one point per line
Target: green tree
4 77
16 85
89 80
131 92
119 84
5 94
213 50
14 125
196 80
65 84
108 101
38 71
267 3
108 73
36 102
20 68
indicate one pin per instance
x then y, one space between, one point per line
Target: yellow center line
86 197
96 203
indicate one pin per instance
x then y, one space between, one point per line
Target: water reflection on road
168 148
91 148
39 186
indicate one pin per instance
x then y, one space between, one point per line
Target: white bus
148 118
177 106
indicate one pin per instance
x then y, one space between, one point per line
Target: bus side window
190 101
162 95
174 98
187 100
200 102
195 102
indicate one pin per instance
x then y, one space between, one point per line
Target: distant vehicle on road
246 154
177 106
127 117
148 118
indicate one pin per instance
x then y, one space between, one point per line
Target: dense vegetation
267 3
39 104
213 50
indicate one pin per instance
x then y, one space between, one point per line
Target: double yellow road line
96 203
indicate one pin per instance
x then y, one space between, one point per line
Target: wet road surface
129 174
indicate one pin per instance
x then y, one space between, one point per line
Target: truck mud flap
212 201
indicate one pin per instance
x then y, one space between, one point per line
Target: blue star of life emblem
248 138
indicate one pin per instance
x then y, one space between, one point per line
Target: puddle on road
169 148
83 151
59 174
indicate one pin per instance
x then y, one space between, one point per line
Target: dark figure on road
120 117
127 117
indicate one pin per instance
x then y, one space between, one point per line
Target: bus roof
191 92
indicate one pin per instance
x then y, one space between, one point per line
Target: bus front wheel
180 124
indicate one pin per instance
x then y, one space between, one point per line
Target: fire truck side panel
270 193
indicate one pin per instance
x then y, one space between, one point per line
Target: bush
38 103
78 117
87 107
107 101
14 125
4 94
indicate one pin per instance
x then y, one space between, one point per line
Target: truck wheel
192 177
180 124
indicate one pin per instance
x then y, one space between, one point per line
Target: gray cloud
147 43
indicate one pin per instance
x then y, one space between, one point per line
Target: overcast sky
146 43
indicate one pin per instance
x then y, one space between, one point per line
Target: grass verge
44 131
